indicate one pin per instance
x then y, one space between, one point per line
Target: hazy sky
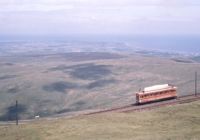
64 17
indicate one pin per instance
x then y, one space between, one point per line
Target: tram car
156 93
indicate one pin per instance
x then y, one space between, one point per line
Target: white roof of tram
157 88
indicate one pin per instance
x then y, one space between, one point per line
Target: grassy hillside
61 83
180 122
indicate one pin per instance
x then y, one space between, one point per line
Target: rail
135 107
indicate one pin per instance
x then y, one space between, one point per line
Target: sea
165 43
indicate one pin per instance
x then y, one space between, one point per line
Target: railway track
134 107
125 108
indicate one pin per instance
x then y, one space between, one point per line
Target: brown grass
180 122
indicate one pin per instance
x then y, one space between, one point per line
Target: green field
179 122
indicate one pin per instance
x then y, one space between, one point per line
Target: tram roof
157 88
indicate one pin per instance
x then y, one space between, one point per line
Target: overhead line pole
195 83
16 112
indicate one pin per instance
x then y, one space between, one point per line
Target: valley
56 83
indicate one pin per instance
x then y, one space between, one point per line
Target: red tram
156 93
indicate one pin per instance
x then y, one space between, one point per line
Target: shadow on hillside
61 86
8 64
10 114
7 77
87 71
13 90
182 60
100 83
